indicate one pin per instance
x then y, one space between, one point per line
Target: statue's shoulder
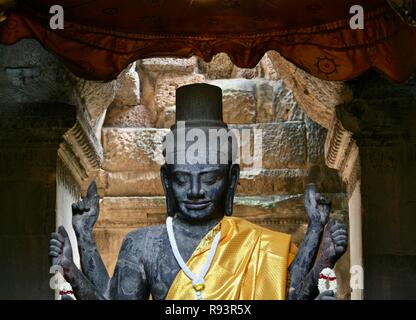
148 234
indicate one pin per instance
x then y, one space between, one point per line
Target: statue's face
199 191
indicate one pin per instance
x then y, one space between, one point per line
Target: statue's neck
194 229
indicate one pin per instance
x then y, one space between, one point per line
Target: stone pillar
36 109
372 142
29 139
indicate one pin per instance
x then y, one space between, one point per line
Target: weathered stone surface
285 106
128 87
135 212
128 149
133 183
271 182
128 117
317 97
257 101
325 178
252 182
268 71
283 144
165 94
316 136
220 67
275 102
239 100
28 73
94 97
127 212
176 65
245 73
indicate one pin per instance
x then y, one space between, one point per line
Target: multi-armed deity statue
202 252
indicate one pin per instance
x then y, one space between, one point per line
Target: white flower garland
327 280
198 281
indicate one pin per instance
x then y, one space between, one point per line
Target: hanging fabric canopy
101 37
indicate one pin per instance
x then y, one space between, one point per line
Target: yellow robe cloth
251 263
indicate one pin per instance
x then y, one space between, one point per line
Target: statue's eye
210 178
180 179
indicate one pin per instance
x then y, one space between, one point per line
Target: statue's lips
197 205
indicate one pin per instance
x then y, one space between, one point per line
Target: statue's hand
326 295
85 212
335 242
60 252
317 207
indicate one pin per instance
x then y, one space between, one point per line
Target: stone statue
201 232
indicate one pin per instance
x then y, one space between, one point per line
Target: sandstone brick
275 102
270 182
177 65
131 212
220 67
268 71
128 117
127 91
252 182
133 183
132 149
128 149
95 97
239 100
245 73
317 97
283 144
135 212
165 95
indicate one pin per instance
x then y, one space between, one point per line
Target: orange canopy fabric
101 37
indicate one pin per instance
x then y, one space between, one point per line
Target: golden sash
251 263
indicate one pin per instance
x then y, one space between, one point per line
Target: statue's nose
196 192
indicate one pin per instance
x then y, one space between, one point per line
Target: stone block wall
134 127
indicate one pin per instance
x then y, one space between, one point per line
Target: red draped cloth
101 37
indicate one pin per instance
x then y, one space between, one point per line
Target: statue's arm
85 214
306 255
60 252
129 281
317 209
83 289
334 245
92 264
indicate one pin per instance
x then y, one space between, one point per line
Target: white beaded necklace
198 281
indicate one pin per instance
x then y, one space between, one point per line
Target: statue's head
200 175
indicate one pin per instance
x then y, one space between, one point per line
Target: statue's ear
168 190
233 177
